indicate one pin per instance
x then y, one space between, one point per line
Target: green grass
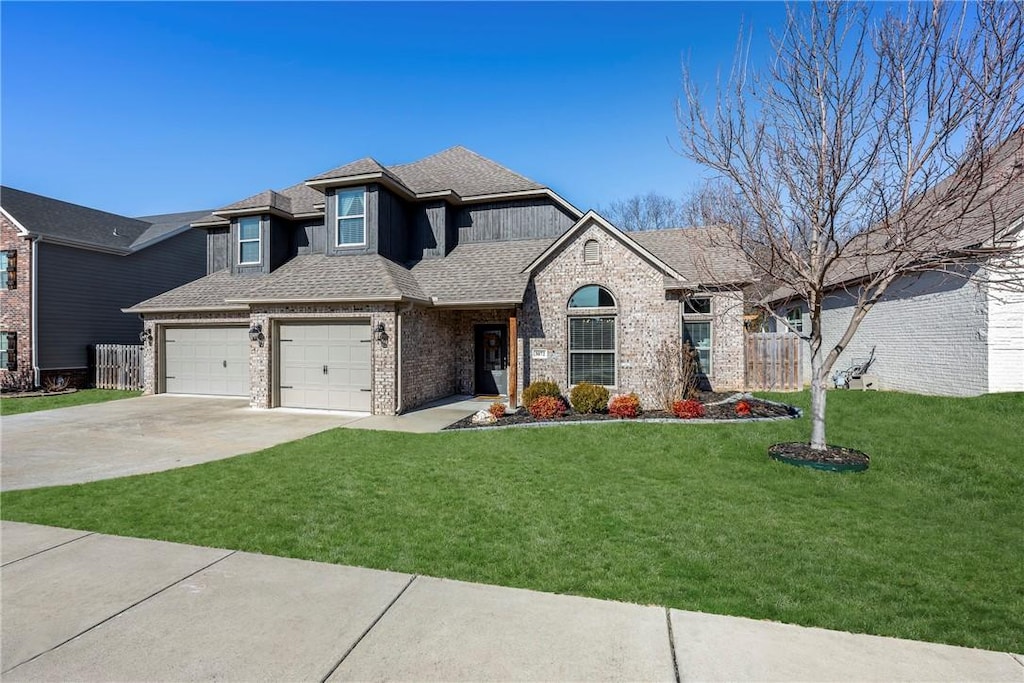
928 544
16 406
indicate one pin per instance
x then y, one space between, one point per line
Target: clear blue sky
143 108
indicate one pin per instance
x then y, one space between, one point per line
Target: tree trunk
818 386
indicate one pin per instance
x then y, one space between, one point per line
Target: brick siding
16 307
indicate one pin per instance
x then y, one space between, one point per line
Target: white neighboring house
934 333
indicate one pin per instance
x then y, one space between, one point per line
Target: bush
688 409
742 408
541 387
624 405
547 407
588 398
497 409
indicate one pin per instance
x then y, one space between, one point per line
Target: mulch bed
836 458
717 406
35 394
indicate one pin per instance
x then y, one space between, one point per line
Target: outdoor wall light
256 333
380 334
146 336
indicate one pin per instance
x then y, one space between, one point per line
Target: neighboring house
950 334
69 270
379 288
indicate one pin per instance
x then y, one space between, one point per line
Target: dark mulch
722 411
832 455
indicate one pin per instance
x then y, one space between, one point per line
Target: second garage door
326 366
206 360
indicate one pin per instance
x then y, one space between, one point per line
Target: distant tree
874 144
649 211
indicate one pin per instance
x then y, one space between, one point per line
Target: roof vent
592 252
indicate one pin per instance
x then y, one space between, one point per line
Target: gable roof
79 226
464 172
705 255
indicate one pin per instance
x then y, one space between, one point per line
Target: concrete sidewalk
82 606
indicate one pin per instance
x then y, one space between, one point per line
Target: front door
491 359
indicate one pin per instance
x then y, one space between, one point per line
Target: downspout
34 299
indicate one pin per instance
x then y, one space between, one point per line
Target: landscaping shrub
688 409
742 408
624 405
541 387
497 409
547 407
588 398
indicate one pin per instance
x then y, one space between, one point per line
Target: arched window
592 251
592 347
591 296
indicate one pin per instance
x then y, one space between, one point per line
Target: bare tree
871 147
649 211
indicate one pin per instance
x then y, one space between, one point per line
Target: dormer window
249 240
351 217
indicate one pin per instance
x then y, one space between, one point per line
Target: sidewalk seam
1016 658
52 547
369 628
120 612
672 644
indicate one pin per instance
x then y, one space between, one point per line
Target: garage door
206 360
326 366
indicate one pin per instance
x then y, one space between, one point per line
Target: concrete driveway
139 435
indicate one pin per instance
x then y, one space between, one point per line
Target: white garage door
206 360
326 366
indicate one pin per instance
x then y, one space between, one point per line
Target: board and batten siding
218 249
511 220
309 237
81 294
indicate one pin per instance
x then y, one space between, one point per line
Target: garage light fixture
256 333
146 336
380 334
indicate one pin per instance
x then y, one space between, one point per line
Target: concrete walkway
82 606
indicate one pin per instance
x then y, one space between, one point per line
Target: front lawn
30 404
927 544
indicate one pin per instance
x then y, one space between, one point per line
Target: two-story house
379 288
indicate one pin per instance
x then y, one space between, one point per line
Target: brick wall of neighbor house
384 357
16 307
646 316
929 335
1005 332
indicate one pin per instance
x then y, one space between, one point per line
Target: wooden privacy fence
119 366
773 362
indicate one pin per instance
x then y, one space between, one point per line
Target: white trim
594 218
253 211
33 282
338 244
22 231
258 241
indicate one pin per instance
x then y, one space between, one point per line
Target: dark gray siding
218 249
520 219
280 242
81 294
430 231
309 238
392 224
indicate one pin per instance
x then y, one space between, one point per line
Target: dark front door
491 359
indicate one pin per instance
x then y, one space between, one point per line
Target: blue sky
143 108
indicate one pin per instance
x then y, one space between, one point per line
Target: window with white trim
795 318
697 330
350 206
250 240
592 348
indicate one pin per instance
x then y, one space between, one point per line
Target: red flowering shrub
688 409
547 407
497 409
624 406
742 408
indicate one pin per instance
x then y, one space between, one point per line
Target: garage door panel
206 360
343 348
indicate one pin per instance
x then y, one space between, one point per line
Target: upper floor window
351 212
795 318
9 269
249 240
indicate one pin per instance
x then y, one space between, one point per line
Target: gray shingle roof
269 198
316 276
464 171
81 225
480 271
704 255
207 292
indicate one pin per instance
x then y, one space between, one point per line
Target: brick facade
646 315
16 307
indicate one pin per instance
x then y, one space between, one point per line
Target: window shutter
12 269
592 252
12 350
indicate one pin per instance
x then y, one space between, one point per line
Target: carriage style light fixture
146 336
380 334
256 334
